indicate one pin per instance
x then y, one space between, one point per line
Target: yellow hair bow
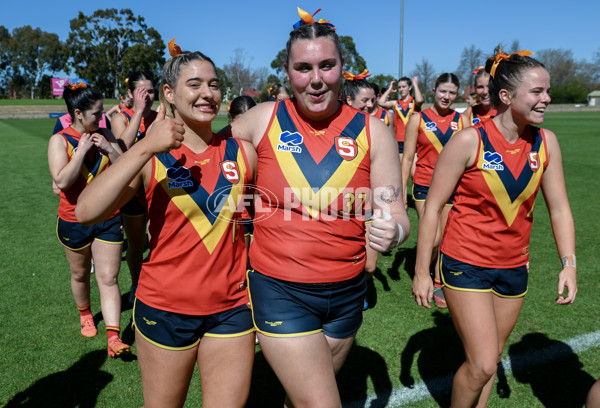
306 18
78 85
174 49
502 57
349 76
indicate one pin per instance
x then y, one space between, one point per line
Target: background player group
304 300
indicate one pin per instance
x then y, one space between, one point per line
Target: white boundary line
420 391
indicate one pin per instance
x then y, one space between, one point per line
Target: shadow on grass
553 370
440 354
409 256
266 390
361 365
77 386
372 291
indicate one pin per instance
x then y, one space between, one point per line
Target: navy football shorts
175 331
419 193
510 282
290 309
76 236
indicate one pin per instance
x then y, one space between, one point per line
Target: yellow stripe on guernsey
210 227
316 201
89 175
509 207
436 137
97 167
404 113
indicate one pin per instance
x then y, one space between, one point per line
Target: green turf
46 363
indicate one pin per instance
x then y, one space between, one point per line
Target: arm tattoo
390 194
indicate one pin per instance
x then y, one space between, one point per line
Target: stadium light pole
401 38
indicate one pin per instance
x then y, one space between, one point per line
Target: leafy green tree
4 59
353 61
574 91
44 88
225 85
32 53
271 81
278 63
106 46
383 82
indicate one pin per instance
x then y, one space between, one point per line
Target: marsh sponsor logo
492 161
430 127
290 142
179 177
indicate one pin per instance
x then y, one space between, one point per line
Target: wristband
387 216
400 234
569 260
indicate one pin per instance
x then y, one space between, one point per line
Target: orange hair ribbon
479 68
306 18
78 85
174 49
502 57
349 76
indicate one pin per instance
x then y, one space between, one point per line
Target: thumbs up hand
165 134
385 233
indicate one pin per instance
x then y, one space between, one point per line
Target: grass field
45 362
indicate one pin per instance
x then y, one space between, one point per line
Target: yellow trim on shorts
68 247
85 246
412 192
74 249
476 290
167 347
301 334
248 271
109 242
229 336
155 343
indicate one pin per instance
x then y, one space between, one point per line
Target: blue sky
436 30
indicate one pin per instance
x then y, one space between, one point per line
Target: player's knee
482 371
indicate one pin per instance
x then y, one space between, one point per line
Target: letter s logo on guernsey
346 147
230 170
534 161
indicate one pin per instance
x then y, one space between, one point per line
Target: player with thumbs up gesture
191 301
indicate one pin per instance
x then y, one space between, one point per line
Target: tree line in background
107 45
